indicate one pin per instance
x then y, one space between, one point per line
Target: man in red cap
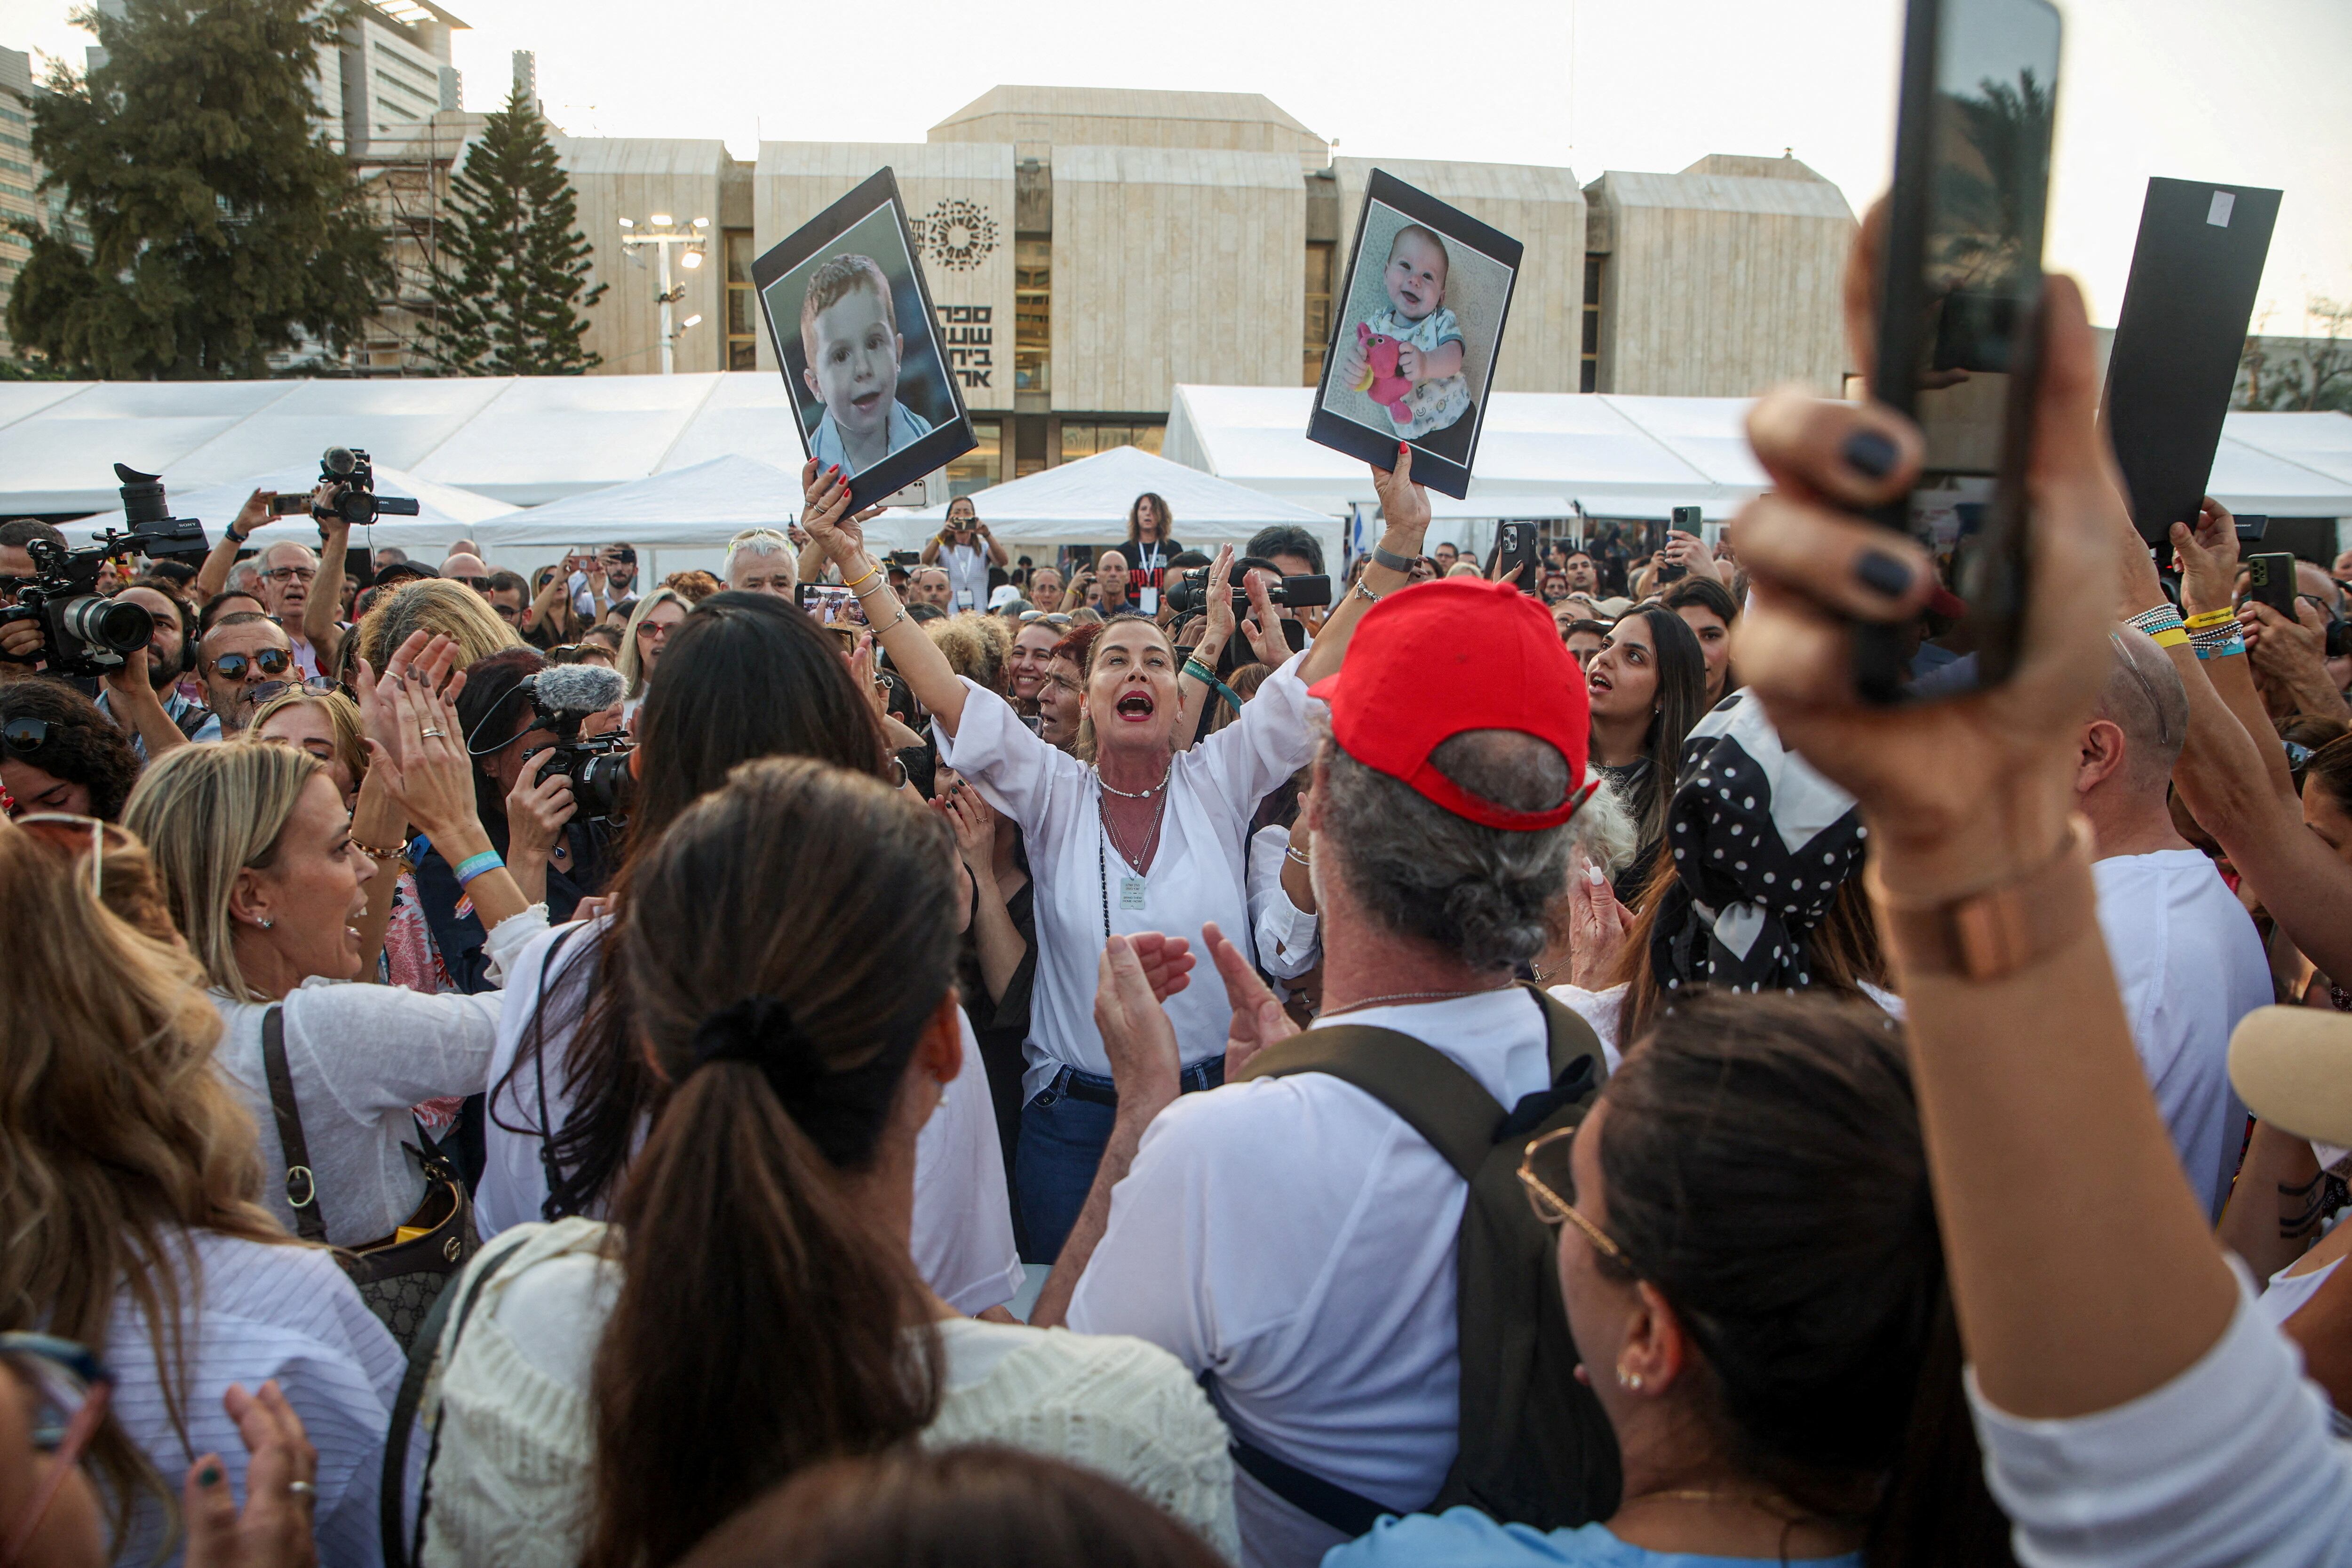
1291 1235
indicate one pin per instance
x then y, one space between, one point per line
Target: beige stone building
1088 249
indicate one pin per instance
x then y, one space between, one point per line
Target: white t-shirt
361 1055
1295 1237
964 1213
2190 966
1289 940
2229 1463
510 1484
967 569
2289 1292
260 1311
1601 1009
1197 874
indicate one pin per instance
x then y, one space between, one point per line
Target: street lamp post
664 235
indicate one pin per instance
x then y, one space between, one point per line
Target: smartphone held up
1958 324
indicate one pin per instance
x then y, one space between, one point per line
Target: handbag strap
401 1549
301 1183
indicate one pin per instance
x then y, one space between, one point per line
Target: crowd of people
561 1069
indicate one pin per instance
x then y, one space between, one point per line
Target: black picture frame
775 271
1442 472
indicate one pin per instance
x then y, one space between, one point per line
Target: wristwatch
1392 560
1996 933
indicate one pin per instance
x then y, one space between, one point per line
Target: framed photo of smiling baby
1412 356
852 323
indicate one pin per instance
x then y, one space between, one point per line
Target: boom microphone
575 691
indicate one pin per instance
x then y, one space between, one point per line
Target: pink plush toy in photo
1380 378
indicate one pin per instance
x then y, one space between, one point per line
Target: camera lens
109 623
601 786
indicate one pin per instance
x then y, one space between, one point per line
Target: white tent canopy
705 505
444 511
1085 502
1640 456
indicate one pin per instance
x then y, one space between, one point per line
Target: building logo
959 234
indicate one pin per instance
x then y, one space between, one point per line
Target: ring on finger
303 1489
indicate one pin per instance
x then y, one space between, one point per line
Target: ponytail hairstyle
1764 1171
785 944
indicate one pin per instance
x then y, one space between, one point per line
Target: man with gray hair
1291 1236
2184 953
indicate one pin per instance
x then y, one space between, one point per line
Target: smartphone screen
828 603
1959 325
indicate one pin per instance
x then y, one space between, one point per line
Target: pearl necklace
1109 788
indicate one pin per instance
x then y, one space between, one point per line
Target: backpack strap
399 1552
301 1185
1435 1095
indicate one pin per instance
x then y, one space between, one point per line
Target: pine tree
510 271
222 226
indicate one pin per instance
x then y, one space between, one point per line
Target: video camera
562 695
1191 592
83 633
353 476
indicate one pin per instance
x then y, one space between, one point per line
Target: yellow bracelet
871 573
2171 637
2197 623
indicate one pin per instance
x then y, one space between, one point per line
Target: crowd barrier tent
1086 503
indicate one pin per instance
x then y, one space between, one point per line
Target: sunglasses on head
309 686
76 836
25 736
1051 617
268 661
70 1388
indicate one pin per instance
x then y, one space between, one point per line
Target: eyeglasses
1051 617
70 1391
309 686
653 629
25 736
62 830
268 661
1549 1206
507 612
283 575
478 585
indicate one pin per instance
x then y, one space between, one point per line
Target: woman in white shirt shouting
1145 840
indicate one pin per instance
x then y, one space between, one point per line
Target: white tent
705 505
1085 502
444 511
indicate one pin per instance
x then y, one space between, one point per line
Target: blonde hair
759 541
342 719
978 646
208 813
430 605
631 668
118 1134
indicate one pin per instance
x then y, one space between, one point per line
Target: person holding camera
144 696
288 573
965 549
525 809
1146 839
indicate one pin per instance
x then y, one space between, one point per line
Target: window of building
1032 319
1086 439
983 465
1587 373
742 310
1318 311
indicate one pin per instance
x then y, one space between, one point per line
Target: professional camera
562 695
347 469
82 632
1191 592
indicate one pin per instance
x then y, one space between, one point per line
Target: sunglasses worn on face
478 585
70 1389
1545 1191
270 661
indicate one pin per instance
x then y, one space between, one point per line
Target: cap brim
2293 1067
1326 688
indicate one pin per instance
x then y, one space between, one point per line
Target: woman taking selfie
1648 686
749 676
253 849
1142 838
619 1390
129 1196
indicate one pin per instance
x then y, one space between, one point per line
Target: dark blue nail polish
1882 574
1870 454
210 1476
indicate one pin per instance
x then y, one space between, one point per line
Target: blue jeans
1064 1129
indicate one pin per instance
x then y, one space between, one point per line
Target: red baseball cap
1429 662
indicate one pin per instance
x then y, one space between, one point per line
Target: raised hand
1136 1033
1218 630
1403 504
1258 1019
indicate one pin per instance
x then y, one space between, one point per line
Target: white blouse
964 1213
1289 940
1199 873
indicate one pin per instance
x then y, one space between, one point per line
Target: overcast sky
2240 91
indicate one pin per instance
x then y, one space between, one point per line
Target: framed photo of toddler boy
851 321
1412 356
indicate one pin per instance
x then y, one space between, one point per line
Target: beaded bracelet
2157 622
2219 642
473 866
372 853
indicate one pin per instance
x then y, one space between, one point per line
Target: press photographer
549 796
56 617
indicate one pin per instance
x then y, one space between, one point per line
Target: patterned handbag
403 1275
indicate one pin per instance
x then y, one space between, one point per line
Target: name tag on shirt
1131 892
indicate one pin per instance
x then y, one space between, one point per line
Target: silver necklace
1137 795
1412 996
